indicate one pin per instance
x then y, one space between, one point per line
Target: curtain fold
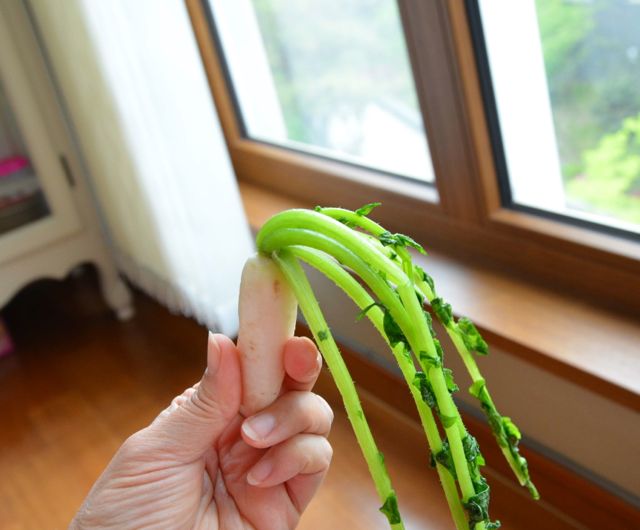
138 101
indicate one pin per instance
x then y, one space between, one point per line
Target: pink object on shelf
12 164
6 346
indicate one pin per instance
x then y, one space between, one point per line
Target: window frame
494 128
470 220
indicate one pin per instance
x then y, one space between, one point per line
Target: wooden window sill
570 337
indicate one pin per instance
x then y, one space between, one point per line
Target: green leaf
421 382
448 378
323 334
511 430
432 362
507 435
392 330
399 240
471 448
495 421
425 278
367 208
442 310
477 505
365 310
439 350
471 337
444 458
427 317
390 509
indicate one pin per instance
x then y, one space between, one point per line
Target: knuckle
326 452
326 408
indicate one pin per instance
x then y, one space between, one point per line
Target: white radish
267 310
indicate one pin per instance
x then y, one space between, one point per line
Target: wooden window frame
469 220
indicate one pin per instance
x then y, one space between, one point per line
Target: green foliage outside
592 58
610 183
330 56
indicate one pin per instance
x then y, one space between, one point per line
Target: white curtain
131 78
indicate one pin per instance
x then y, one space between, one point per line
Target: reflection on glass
328 77
21 198
566 76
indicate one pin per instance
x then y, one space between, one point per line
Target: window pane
326 76
566 79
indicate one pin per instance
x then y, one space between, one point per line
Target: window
326 77
519 179
564 78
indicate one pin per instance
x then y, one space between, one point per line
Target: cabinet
48 221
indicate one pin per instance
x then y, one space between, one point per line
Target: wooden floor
80 382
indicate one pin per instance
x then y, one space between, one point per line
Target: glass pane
328 77
21 199
566 78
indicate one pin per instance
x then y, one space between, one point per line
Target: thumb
197 418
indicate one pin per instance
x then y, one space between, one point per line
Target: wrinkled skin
201 465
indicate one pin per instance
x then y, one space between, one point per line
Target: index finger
302 364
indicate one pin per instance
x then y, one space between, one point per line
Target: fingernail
260 472
259 427
213 354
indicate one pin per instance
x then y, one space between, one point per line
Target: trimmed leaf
511 430
367 208
421 382
477 505
399 240
442 310
471 337
392 330
365 310
425 278
390 509
444 458
448 378
471 448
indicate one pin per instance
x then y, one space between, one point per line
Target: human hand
200 464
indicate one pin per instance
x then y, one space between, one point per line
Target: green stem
326 265
322 224
313 315
286 237
513 458
301 227
427 351
521 473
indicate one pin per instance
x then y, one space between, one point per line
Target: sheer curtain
136 95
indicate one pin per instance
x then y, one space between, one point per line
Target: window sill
591 346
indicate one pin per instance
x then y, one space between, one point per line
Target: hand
200 464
